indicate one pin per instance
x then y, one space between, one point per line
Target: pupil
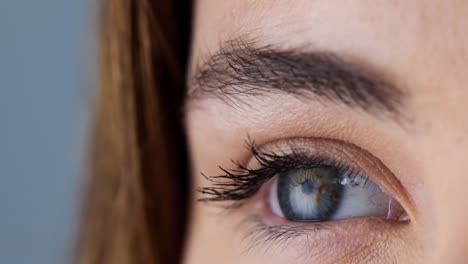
307 186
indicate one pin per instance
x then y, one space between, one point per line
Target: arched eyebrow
241 69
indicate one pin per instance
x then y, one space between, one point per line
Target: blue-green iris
310 194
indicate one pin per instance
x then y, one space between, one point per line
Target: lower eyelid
264 235
311 242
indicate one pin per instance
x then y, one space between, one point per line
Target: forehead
397 33
326 21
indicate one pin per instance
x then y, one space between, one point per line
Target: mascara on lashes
239 184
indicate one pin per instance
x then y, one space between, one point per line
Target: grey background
44 84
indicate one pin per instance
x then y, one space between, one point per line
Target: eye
315 196
311 180
324 193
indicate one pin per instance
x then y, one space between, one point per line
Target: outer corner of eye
323 193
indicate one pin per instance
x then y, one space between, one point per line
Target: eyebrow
241 69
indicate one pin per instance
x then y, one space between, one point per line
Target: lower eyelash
263 235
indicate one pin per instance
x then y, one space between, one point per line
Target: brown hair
137 195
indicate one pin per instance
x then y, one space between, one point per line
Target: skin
420 46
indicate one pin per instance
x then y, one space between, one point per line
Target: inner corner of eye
273 198
321 194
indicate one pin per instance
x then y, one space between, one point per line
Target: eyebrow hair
241 69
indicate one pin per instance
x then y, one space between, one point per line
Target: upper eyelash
241 183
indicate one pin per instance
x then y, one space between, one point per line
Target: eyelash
239 184
266 235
